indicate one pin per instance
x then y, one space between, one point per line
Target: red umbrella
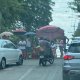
50 32
48 27
19 32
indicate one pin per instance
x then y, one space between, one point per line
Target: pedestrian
61 47
22 46
5 37
29 48
65 42
54 47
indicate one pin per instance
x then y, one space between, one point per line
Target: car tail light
68 57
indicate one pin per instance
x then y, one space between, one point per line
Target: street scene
39 39
30 70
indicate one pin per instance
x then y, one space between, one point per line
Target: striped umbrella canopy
19 32
6 33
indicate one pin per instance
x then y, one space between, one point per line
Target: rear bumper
74 74
71 74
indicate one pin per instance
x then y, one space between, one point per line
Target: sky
64 17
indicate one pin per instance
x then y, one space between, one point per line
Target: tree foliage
9 12
77 32
76 7
32 13
38 13
77 4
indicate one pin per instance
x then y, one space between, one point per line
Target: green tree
9 12
77 4
76 7
77 32
38 13
32 13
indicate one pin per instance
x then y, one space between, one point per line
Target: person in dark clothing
45 50
61 47
47 47
41 54
65 41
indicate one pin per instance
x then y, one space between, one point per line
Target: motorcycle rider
41 54
45 50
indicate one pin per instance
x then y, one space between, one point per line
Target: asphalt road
32 71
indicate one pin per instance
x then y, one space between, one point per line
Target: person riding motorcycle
45 53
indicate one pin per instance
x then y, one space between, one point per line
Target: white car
9 54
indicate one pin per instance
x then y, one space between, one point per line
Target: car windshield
74 48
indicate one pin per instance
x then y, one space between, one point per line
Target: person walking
29 48
61 47
22 46
65 42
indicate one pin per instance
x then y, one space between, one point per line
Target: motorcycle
46 54
44 59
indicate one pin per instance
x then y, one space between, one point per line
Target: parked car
71 63
76 38
9 54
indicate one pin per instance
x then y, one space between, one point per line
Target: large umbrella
50 32
6 33
30 33
19 32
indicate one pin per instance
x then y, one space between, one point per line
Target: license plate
41 56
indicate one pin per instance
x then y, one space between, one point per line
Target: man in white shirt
22 46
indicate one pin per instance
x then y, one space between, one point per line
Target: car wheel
66 76
3 64
20 61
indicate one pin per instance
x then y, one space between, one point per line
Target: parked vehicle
9 54
76 38
71 65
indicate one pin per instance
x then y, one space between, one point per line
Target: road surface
32 71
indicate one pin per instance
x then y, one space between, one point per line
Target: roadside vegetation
31 13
